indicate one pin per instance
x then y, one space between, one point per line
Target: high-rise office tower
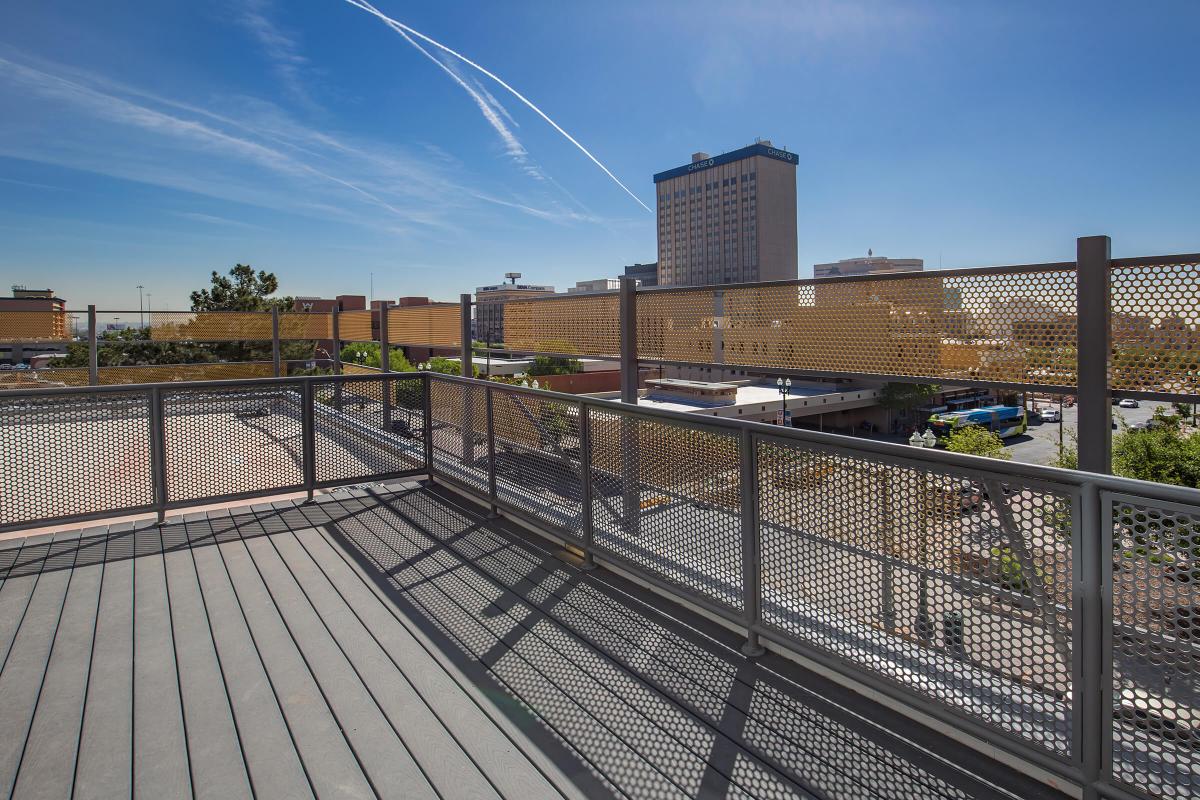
729 218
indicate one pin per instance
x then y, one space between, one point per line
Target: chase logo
783 154
701 164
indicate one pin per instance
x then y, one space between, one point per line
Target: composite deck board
104 767
374 737
47 769
441 758
735 700
398 644
333 770
213 744
22 677
501 749
680 733
274 767
161 765
536 654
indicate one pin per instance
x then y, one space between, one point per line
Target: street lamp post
141 313
785 389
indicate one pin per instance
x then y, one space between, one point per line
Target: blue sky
151 142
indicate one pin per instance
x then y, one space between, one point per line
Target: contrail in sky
400 27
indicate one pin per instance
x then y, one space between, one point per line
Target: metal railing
1050 614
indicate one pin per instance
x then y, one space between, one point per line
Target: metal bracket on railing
751 565
585 504
158 453
308 437
494 513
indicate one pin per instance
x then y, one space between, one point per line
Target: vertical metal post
158 452
1093 254
308 436
385 364
93 349
751 563
1092 735
467 355
336 342
275 358
491 446
628 325
467 370
585 504
427 411
336 355
888 610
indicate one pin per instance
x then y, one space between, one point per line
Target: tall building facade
872 265
489 307
729 218
646 273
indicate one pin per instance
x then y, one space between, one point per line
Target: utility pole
141 313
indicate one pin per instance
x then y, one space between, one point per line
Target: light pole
785 389
141 313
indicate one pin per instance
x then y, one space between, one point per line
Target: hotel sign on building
729 218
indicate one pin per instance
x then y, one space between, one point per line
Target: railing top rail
889 450
225 383
1154 261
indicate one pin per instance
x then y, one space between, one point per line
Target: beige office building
729 218
489 307
871 265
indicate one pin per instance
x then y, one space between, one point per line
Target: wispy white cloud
281 47
405 31
187 147
213 219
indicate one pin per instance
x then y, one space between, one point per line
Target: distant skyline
151 143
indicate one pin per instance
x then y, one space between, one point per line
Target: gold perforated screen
586 325
306 325
34 326
1155 314
355 326
359 369
154 373
210 326
437 324
1014 327
677 326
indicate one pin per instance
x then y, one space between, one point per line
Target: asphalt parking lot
1039 445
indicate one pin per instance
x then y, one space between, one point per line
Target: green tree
242 290
1161 453
368 354
548 365
133 347
976 440
906 396
1068 452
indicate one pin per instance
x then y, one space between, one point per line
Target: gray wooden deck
390 642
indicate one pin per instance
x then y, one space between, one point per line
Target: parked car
1128 402
1051 415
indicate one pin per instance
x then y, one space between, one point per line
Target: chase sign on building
728 158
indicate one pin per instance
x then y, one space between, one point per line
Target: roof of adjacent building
727 158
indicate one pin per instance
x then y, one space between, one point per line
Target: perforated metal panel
352 438
210 326
437 324
34 326
667 496
459 431
1155 313
1155 661
149 373
73 454
538 462
953 587
306 325
232 440
678 326
586 325
355 326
